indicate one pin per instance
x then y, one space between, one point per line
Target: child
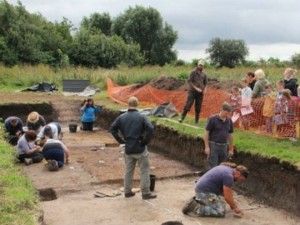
245 103
235 99
268 108
290 111
235 102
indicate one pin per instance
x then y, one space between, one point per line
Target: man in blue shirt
219 131
214 183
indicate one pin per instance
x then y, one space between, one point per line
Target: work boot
148 196
28 161
189 206
182 116
52 165
196 119
129 194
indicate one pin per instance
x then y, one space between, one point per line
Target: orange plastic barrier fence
212 101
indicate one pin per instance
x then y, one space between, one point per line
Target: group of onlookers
281 105
37 140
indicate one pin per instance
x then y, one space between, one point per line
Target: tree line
137 37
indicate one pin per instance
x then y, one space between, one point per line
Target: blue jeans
130 163
217 155
55 154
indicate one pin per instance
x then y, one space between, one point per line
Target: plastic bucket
72 128
152 182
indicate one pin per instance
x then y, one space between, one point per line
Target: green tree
29 38
97 49
144 26
97 22
228 52
296 59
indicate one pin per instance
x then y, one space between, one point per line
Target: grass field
20 77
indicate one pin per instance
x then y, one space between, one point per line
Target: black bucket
152 182
72 128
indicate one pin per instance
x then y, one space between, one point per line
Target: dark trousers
55 154
87 126
36 157
198 98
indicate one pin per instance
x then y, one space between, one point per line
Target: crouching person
14 129
55 152
211 186
27 151
55 129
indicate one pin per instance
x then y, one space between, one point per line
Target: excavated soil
269 196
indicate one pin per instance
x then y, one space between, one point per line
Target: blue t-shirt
214 180
89 113
219 130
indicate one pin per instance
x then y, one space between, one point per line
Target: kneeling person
27 151
55 152
209 188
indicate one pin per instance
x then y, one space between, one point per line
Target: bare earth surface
96 167
96 164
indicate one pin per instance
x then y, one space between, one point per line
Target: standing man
219 131
197 82
216 182
136 131
14 128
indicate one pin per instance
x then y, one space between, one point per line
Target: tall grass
19 77
18 198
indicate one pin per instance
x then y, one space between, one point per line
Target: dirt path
97 165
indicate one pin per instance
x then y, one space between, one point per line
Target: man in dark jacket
135 131
14 129
197 82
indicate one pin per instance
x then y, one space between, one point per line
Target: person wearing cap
88 110
27 151
135 131
219 132
211 186
35 121
197 82
14 129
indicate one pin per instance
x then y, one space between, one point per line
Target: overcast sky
269 28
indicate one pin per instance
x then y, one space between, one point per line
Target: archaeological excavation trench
271 182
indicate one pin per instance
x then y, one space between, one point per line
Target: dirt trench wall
22 111
272 182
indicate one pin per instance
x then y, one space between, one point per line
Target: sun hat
33 117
